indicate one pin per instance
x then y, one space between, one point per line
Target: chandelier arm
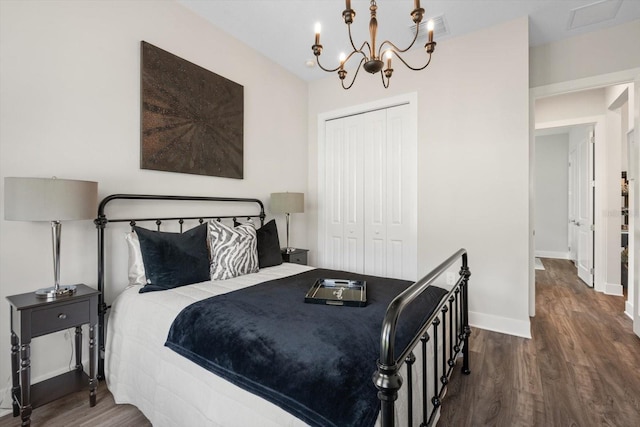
412 68
351 39
326 69
386 85
395 48
354 76
364 57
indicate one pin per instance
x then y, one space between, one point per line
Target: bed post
466 330
101 222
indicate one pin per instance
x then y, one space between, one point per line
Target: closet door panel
375 200
333 200
401 223
344 194
353 197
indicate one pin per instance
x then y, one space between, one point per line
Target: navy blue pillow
268 245
174 259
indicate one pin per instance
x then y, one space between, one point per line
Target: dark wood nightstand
32 317
298 256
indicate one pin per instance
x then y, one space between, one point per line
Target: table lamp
287 203
52 200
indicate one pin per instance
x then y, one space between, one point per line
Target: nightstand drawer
59 317
298 256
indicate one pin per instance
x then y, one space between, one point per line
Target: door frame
598 201
625 76
409 98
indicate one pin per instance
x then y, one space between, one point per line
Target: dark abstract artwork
192 119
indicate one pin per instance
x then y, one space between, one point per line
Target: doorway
601 203
565 196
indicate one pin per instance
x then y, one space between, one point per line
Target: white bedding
171 390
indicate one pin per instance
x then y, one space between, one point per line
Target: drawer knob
62 316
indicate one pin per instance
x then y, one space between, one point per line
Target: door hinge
591 271
593 227
593 184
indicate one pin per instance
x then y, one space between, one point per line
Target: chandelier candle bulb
388 56
343 57
430 26
318 28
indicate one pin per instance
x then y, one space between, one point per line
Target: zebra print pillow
234 251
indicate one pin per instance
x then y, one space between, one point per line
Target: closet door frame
410 99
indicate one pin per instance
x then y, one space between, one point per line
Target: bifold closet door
390 196
369 199
344 194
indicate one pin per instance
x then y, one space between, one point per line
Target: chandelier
370 59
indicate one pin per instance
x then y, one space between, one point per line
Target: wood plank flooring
582 368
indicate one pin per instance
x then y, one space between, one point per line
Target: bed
196 354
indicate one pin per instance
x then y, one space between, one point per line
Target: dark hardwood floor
582 368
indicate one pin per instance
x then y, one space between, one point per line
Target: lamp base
53 293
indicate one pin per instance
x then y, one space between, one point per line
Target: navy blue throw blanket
314 361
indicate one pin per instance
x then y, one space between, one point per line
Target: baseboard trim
553 254
499 324
613 289
628 309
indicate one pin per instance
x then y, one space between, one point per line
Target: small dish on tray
338 292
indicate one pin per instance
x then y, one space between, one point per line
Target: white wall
70 107
552 186
472 162
585 103
596 53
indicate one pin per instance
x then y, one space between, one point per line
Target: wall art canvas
192 118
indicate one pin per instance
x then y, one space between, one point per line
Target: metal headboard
102 220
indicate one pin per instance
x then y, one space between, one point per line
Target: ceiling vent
440 28
593 13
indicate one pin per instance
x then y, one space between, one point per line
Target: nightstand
32 317
298 256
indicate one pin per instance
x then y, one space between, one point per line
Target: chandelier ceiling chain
372 60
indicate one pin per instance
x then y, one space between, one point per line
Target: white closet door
369 203
402 195
375 199
344 194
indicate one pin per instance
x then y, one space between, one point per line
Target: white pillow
137 274
234 250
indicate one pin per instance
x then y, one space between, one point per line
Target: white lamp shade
287 202
47 199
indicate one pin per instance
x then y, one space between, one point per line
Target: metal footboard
449 335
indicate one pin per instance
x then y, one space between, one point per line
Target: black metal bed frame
387 377
451 316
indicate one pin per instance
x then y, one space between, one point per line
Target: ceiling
284 29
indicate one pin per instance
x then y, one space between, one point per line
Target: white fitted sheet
169 389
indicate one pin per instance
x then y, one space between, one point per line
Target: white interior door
584 221
390 232
343 162
367 199
572 206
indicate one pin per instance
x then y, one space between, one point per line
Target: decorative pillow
234 251
269 245
136 264
174 259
